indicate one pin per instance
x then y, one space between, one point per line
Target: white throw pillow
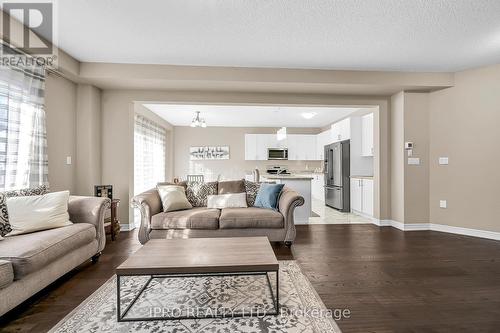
38 212
173 197
230 200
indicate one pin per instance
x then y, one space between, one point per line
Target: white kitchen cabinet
301 147
263 141
318 186
362 196
367 135
293 145
322 139
308 146
256 146
341 130
356 195
250 147
367 207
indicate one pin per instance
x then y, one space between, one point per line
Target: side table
112 223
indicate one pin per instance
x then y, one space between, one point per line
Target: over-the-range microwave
277 153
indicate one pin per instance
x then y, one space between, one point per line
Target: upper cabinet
322 139
301 147
367 135
250 147
341 130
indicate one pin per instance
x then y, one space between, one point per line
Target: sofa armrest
289 199
149 204
90 210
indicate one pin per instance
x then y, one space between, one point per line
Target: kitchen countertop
294 177
362 177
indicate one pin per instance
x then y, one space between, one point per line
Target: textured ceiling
250 116
410 35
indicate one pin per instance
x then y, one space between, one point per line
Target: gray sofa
30 262
278 226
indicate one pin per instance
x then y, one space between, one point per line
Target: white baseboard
438 227
465 231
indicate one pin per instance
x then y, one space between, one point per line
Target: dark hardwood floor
389 280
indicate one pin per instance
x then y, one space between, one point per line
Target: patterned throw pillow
4 214
252 188
197 192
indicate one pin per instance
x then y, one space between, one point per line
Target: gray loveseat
278 226
30 262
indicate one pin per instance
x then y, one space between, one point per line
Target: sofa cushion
6 273
173 197
251 189
196 218
197 192
39 212
231 186
5 227
30 252
268 196
251 217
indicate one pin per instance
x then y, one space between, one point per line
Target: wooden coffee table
160 258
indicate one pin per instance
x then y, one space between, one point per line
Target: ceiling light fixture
308 115
197 121
281 134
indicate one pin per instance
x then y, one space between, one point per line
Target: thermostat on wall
408 145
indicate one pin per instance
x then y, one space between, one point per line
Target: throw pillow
4 214
230 200
251 188
231 186
268 196
39 212
173 197
197 192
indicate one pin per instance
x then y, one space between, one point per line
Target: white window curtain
23 139
149 154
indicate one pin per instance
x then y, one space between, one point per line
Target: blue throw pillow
268 195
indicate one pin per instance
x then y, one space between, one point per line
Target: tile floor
329 215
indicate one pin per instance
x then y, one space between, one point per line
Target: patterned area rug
302 311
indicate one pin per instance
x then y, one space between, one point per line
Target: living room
424 260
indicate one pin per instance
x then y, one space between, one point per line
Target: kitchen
290 142
338 189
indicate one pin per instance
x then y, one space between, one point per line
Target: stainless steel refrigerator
337 176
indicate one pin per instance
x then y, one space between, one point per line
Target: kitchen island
301 184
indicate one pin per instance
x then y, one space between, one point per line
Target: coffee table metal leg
118 298
277 292
121 317
275 297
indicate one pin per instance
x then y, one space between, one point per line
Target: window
23 141
149 154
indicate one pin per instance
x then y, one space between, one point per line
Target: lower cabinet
318 187
362 196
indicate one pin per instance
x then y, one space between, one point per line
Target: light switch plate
442 204
413 161
443 161
68 160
